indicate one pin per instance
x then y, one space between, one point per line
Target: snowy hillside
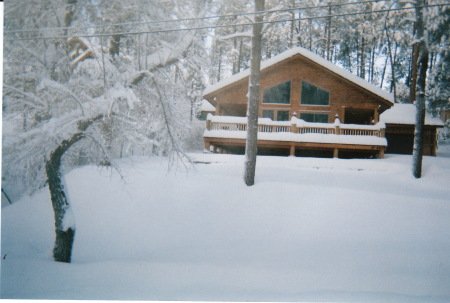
310 229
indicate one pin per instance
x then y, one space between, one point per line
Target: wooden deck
224 134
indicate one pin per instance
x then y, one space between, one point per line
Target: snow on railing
296 125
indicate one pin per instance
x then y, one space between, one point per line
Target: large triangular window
312 95
279 94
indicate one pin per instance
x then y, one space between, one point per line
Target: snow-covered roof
313 57
406 114
206 106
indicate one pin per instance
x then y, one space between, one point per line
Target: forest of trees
87 81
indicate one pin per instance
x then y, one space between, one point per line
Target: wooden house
308 106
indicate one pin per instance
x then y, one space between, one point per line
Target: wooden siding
405 134
232 100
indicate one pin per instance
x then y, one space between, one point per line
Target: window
314 117
312 95
268 114
283 115
279 94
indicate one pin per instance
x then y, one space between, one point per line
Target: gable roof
312 57
406 114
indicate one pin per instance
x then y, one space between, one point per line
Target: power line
220 26
192 19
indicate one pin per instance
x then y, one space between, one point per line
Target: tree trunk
383 72
329 34
291 33
219 69
251 147
241 47
64 227
392 59
420 92
372 64
64 221
362 66
413 84
310 35
235 60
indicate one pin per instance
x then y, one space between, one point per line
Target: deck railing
296 125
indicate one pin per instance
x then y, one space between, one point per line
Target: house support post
335 153
218 109
208 146
292 151
381 154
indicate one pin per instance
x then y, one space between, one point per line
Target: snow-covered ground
310 229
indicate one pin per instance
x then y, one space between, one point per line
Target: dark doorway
400 144
358 116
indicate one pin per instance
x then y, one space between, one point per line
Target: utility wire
219 26
193 19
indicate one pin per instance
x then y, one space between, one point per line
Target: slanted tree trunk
420 92
251 148
64 221
64 225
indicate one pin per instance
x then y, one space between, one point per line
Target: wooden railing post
337 124
208 124
337 130
294 128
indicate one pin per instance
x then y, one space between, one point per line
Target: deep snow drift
310 229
